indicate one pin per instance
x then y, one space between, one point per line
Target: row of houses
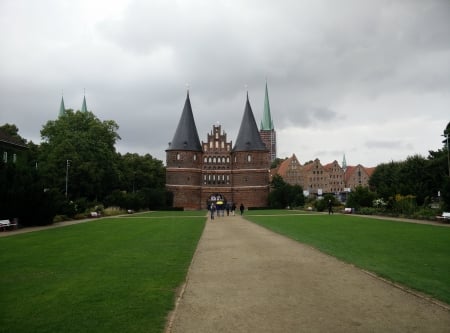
316 178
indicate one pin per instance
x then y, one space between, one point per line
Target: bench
7 225
348 210
445 217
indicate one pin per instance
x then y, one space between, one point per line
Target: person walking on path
241 208
233 209
212 208
330 207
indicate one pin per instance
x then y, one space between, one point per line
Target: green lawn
415 255
109 275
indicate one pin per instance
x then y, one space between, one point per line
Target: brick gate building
197 172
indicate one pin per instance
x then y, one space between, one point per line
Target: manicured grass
109 275
414 255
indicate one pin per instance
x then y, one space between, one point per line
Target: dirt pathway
245 278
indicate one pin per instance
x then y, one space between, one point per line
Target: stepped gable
186 135
248 138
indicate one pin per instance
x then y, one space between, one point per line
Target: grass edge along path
109 275
414 255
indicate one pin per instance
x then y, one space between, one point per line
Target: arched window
249 158
178 156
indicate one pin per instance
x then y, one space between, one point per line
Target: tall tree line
426 179
77 166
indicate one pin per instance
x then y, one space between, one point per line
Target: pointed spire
62 108
344 164
266 122
84 107
186 135
248 136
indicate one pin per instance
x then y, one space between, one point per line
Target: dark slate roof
186 135
12 141
248 137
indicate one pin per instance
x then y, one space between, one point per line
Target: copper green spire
84 107
266 122
344 164
62 108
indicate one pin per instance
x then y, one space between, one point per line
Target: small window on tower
249 158
178 156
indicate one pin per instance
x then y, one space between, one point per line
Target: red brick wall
242 177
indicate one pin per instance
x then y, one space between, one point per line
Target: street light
67 174
448 156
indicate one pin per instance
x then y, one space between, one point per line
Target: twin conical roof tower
248 136
186 135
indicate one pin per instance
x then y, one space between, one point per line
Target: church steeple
268 134
266 122
248 136
344 164
186 135
62 108
84 107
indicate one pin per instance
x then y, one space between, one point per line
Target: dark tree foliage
23 196
138 172
322 204
416 176
88 144
360 197
283 194
13 131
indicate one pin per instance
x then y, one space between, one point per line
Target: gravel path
245 278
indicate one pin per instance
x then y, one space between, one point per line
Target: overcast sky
368 79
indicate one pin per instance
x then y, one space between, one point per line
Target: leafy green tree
140 172
13 131
86 144
322 203
283 194
360 197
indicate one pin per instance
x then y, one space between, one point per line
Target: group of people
219 209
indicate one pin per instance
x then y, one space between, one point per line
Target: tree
22 194
283 194
140 172
80 145
13 131
360 197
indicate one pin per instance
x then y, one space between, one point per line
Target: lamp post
448 153
67 175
